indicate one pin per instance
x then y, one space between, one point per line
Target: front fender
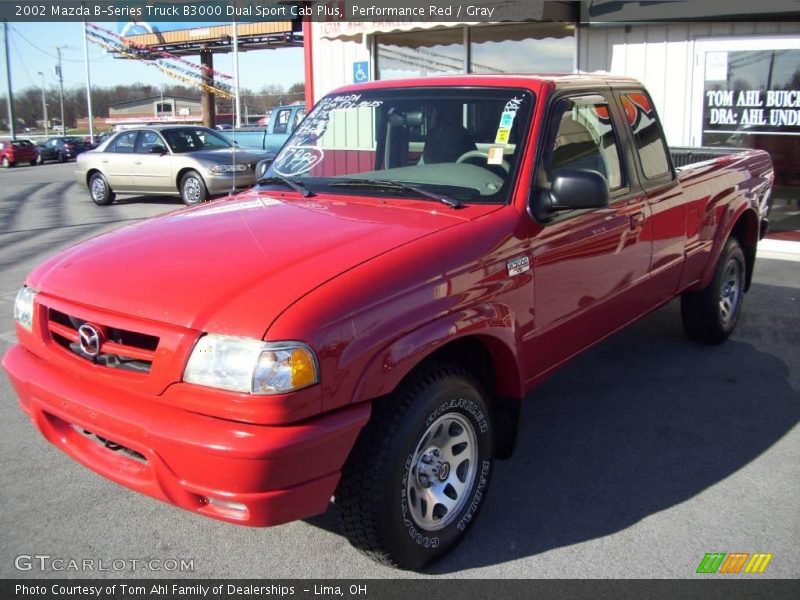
493 324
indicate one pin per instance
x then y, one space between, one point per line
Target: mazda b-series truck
366 323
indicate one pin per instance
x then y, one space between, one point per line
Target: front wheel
710 315
100 191
419 473
193 189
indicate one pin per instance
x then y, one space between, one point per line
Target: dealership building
715 78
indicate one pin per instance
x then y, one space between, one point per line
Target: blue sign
361 71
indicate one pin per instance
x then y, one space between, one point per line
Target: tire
40 160
193 189
34 162
7 164
710 315
100 191
394 466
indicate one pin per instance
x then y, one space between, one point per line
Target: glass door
746 93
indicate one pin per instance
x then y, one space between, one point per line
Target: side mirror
572 189
262 166
157 149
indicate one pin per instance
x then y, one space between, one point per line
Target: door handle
637 220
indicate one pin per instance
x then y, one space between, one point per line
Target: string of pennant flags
173 66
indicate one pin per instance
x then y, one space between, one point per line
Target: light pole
60 74
44 105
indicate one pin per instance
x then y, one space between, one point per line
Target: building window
420 53
523 48
164 109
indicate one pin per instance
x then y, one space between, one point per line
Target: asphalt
645 453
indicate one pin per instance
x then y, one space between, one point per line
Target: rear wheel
419 473
193 189
34 162
100 191
710 315
40 160
7 164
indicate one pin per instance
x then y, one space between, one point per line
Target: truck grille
116 348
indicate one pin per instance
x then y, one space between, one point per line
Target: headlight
252 366
228 168
23 307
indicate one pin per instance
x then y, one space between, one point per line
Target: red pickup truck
365 323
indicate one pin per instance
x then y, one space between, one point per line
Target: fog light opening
236 509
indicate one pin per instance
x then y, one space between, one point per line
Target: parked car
15 152
368 321
272 136
61 149
192 162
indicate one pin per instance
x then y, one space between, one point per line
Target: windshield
464 143
191 139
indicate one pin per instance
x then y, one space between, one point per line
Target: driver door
589 265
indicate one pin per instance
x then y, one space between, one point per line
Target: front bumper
241 473
222 183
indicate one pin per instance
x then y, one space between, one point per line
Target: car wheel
100 191
7 164
710 315
34 162
193 189
40 160
419 472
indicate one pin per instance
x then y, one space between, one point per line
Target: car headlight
23 307
251 366
228 168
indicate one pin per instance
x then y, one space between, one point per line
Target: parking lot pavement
644 454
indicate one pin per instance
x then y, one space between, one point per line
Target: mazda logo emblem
89 340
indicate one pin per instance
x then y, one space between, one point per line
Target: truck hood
232 266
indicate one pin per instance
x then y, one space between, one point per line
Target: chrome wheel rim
443 469
730 291
6 162
191 190
98 188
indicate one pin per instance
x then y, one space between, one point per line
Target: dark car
14 152
62 148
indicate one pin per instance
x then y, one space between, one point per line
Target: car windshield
463 144
191 139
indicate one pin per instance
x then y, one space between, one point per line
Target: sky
33 49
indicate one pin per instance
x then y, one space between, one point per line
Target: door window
148 139
584 139
125 142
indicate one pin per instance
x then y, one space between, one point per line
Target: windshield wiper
295 185
402 185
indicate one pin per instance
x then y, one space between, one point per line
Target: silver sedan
192 162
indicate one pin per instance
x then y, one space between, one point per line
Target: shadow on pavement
638 424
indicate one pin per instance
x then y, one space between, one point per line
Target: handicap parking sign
360 71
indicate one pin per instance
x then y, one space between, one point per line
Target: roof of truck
599 78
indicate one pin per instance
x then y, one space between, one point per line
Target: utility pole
44 105
237 110
60 74
88 82
12 126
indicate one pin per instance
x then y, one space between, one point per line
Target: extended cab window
281 121
648 135
584 139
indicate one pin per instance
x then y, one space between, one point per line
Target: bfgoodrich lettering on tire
419 473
